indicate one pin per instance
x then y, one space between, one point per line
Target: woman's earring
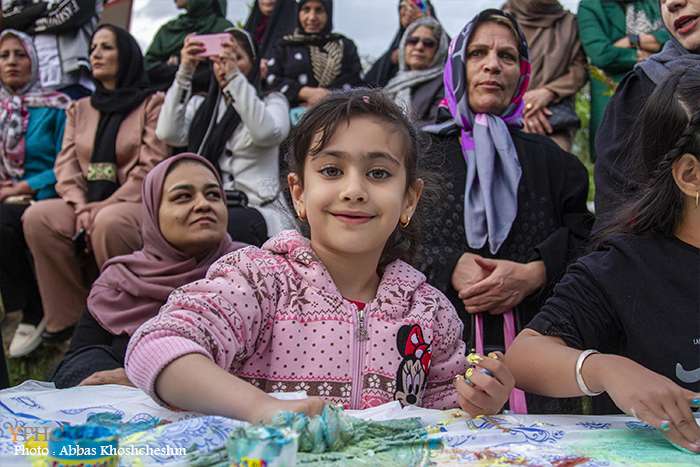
697 199
301 215
404 221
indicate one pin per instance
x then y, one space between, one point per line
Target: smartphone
212 43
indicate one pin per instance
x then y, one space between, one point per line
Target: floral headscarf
14 111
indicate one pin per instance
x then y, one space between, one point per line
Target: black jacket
289 69
425 101
552 224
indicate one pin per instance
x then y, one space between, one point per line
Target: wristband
579 377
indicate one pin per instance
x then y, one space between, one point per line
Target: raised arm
267 120
178 109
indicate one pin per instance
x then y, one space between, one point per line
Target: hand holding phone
212 43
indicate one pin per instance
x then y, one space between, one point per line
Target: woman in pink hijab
184 232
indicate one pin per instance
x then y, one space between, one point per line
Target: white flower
302 387
303 79
324 389
391 387
345 390
373 381
298 56
279 387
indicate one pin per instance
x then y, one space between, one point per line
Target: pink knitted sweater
274 317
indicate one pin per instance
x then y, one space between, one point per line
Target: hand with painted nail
487 386
649 396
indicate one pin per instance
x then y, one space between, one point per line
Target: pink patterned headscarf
14 111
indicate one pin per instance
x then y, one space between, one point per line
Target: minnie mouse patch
412 374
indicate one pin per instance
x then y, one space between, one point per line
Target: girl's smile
353 217
355 188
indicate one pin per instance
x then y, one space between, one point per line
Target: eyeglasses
428 43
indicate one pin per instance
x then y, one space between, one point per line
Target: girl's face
682 18
313 17
104 58
421 47
354 190
15 65
192 215
267 6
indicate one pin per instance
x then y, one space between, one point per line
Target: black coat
280 23
617 168
425 101
289 69
552 224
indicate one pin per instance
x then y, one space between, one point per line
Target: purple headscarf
493 167
132 288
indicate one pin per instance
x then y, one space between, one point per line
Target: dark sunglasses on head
428 43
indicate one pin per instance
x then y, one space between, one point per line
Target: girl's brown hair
319 125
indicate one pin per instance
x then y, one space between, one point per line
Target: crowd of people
214 227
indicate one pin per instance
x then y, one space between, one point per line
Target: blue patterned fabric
411 436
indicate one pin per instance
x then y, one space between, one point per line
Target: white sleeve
178 111
267 120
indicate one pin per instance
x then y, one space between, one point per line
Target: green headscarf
202 17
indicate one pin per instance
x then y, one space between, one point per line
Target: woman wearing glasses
418 86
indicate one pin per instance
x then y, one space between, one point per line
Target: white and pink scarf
14 112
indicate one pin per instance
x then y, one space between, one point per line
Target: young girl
625 319
339 316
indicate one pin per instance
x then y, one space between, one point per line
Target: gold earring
301 215
405 220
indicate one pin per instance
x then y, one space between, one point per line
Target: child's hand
311 406
648 396
486 394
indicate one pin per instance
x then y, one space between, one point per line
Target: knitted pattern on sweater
274 317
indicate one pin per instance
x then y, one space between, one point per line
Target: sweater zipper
361 336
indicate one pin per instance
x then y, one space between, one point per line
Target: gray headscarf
400 86
672 57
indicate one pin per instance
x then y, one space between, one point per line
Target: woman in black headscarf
387 66
109 145
308 64
268 23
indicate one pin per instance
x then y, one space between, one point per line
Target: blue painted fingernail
665 426
485 372
695 402
695 448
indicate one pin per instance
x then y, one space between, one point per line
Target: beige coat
138 150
